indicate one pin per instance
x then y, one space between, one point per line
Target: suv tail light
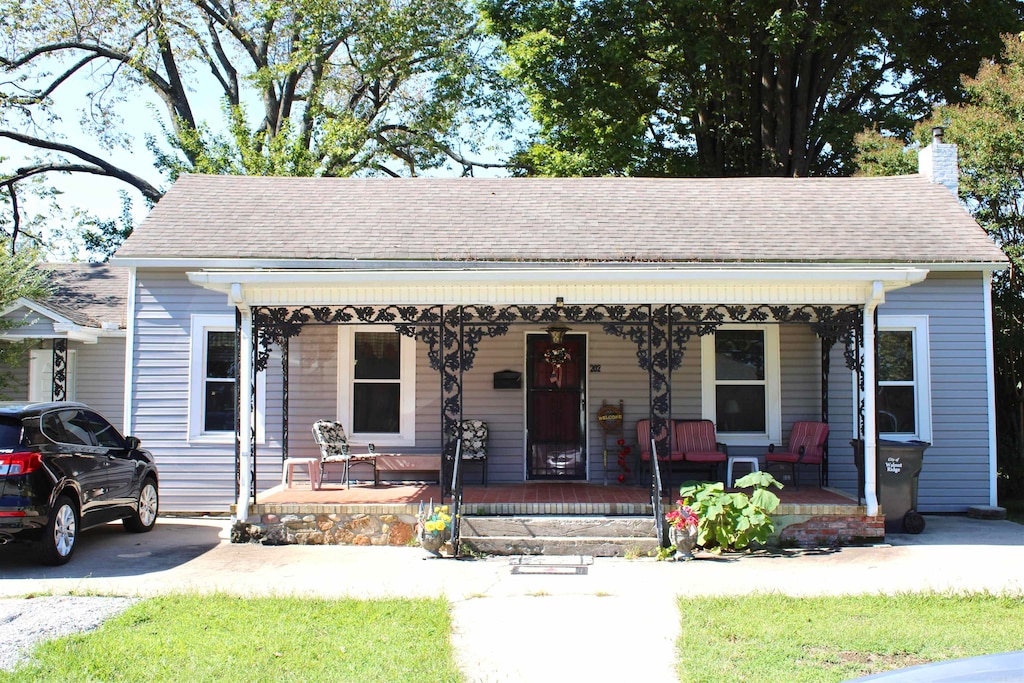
17 464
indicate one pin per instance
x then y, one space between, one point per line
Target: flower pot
684 539
432 541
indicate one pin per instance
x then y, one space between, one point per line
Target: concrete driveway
574 602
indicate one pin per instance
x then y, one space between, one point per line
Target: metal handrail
659 526
457 496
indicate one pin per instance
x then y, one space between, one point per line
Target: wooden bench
407 463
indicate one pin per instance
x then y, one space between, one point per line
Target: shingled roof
904 219
89 294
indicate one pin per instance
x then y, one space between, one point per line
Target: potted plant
435 529
682 530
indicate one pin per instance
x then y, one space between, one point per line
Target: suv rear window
10 433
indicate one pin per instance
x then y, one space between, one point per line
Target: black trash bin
899 466
896 475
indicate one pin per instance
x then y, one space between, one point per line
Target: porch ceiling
583 285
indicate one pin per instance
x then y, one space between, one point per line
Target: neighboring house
79 331
391 304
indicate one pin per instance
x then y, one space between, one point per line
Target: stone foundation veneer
305 525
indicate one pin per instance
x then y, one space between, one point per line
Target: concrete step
599 536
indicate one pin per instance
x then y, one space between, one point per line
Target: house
79 331
400 306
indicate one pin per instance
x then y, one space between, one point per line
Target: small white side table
748 459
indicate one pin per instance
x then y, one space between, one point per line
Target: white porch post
870 433
245 420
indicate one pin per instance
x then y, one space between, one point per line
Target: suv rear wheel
58 541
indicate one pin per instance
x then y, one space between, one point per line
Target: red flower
622 478
621 442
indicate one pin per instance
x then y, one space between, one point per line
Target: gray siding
100 377
955 473
195 476
29 323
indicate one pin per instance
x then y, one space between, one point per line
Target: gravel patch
24 623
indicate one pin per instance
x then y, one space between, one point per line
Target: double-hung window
213 393
377 385
904 394
740 383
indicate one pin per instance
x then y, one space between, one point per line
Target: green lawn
221 638
760 638
777 638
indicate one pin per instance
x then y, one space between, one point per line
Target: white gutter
224 279
990 385
244 406
870 434
449 265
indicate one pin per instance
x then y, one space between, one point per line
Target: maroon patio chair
643 438
696 440
806 447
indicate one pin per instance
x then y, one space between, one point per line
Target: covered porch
835 306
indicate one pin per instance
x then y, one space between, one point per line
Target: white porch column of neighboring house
870 431
245 416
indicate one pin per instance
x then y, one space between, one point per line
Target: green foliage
750 87
769 638
882 155
225 638
733 521
307 88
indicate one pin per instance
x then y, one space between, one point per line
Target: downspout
870 434
244 404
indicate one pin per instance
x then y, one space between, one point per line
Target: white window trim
772 390
40 373
201 324
407 402
918 324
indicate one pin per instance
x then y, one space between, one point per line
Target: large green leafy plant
732 521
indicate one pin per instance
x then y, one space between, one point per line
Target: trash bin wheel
913 522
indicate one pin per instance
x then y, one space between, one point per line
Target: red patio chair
697 442
643 437
806 447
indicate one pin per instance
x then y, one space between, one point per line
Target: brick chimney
938 162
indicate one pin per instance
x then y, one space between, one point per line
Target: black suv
64 468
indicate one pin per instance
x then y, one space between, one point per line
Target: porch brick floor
553 493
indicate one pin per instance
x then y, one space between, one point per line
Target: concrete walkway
550 621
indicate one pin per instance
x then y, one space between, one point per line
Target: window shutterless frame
730 395
211 374
377 385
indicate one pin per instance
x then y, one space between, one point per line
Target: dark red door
556 407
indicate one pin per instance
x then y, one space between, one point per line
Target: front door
556 407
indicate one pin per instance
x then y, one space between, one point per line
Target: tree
988 129
741 87
337 87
